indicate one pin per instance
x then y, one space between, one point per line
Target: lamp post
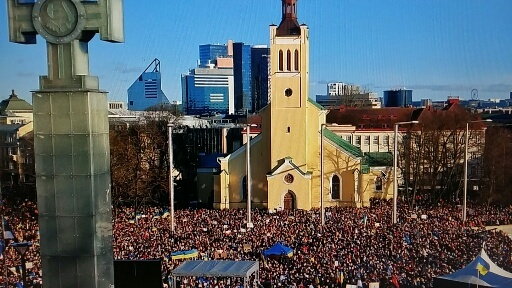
22 249
171 180
395 175
322 209
466 140
248 170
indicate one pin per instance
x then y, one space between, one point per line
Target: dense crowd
356 245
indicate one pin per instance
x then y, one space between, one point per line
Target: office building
208 53
208 90
146 92
242 77
398 98
340 88
260 57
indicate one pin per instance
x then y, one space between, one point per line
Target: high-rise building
398 98
146 92
242 76
341 89
208 90
260 57
208 53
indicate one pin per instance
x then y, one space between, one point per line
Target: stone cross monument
71 138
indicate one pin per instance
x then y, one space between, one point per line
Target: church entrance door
289 201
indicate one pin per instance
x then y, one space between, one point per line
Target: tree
497 166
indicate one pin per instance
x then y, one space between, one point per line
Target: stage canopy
216 268
279 250
481 272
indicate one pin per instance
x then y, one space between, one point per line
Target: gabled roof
12 128
349 148
316 104
366 118
378 159
13 103
288 163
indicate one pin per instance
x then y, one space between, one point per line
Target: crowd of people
355 246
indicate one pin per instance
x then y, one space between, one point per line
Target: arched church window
335 187
378 184
288 60
281 60
296 58
244 188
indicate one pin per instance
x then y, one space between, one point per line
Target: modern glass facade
208 53
208 91
260 59
398 98
242 75
146 92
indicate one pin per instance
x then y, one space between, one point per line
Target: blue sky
435 47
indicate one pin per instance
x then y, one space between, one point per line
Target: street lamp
22 249
322 210
466 140
171 180
248 168
395 175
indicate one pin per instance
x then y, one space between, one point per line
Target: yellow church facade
285 158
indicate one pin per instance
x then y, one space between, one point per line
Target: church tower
289 44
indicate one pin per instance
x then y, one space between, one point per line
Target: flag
2 247
394 280
481 269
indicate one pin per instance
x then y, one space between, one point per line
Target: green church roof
378 159
353 150
13 103
316 104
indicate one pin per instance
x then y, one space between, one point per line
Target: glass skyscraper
208 90
146 92
260 57
242 75
208 53
398 98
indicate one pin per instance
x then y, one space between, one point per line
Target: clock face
59 21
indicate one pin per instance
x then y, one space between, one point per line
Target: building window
378 184
358 140
386 140
335 187
244 188
349 139
288 130
296 58
366 140
281 60
288 92
131 103
375 140
288 60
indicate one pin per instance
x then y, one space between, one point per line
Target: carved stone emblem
59 21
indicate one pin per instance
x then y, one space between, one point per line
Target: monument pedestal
73 187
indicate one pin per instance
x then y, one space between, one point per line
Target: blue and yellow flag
481 269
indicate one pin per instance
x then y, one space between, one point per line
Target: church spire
289 25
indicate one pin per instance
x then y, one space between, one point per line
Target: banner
184 254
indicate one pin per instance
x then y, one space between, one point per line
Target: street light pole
395 175
466 140
248 160
322 209
22 249
171 180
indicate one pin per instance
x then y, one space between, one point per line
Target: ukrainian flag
481 269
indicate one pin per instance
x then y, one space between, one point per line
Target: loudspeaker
138 273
